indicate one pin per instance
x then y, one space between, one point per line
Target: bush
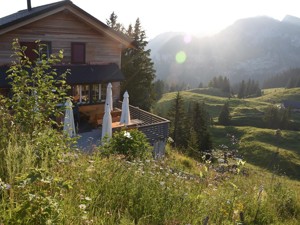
132 144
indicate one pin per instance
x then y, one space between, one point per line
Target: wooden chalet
92 52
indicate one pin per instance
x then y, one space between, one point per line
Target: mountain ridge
256 47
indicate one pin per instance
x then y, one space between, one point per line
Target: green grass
258 145
70 187
176 190
92 189
276 95
244 112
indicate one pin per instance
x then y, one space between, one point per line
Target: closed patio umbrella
109 98
69 125
107 123
125 115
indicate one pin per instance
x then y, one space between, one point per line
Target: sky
202 17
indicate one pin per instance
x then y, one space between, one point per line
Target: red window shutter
78 53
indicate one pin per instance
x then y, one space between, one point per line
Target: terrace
154 127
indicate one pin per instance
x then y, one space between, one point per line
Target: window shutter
78 53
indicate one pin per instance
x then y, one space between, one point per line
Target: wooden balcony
154 127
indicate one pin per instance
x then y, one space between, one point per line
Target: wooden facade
62 29
62 25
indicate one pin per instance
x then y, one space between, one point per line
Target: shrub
132 144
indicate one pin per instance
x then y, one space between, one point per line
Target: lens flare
180 57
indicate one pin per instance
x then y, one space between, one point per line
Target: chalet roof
291 104
80 74
20 18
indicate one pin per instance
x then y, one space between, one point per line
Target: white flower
82 206
88 199
127 134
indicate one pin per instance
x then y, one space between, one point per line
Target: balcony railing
154 127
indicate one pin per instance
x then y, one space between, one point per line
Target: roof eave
77 11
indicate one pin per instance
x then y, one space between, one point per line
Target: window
96 93
78 53
46 48
103 91
30 46
84 94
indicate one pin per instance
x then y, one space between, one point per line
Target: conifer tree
176 116
137 65
224 117
114 24
242 90
200 121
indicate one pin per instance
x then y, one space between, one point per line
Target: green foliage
136 65
26 135
133 144
287 79
177 115
224 117
201 122
248 89
38 195
275 117
29 145
221 83
114 24
36 88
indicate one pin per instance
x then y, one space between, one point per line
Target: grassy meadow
258 145
94 189
45 179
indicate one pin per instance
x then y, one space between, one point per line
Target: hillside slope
258 145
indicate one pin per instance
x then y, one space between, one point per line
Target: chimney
28 5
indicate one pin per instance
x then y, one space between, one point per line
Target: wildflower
82 206
127 134
170 140
88 199
162 183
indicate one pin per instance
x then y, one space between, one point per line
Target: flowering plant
132 144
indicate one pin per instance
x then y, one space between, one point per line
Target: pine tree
176 116
200 122
138 69
137 65
272 117
242 90
224 117
114 24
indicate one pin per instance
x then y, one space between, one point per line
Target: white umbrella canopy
107 123
125 116
69 125
109 98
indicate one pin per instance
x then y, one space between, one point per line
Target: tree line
286 79
189 128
